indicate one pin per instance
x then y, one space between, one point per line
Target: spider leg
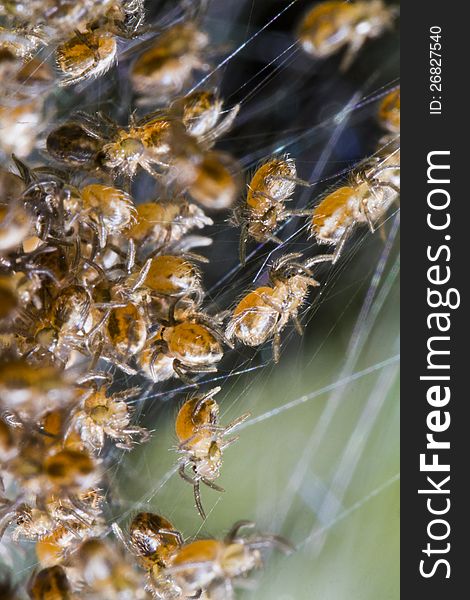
228 443
297 324
195 257
276 346
352 50
24 171
182 473
269 541
102 233
307 212
182 370
197 500
120 365
142 275
173 533
370 223
158 348
224 125
203 398
293 179
212 485
243 242
389 185
94 330
236 422
130 258
150 170
232 534
340 245
320 258
275 239
285 259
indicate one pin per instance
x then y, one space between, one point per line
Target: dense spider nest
125 176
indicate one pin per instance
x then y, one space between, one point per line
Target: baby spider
92 52
44 470
162 71
214 566
73 145
104 209
163 224
202 443
61 327
175 276
29 391
389 112
153 540
210 178
202 116
107 573
63 541
190 344
371 191
50 583
16 225
86 55
35 524
264 312
126 329
96 143
102 415
166 276
147 143
332 25
271 186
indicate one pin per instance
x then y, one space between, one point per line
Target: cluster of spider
92 283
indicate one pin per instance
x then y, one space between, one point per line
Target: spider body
271 186
185 347
126 329
333 25
161 224
164 69
86 55
175 276
263 313
50 583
